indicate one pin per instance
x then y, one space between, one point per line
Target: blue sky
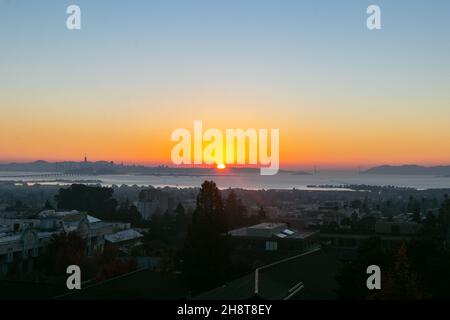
317 38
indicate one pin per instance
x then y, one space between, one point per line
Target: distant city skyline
341 95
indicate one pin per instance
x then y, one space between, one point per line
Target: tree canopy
206 253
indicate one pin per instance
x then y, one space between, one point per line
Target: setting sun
221 166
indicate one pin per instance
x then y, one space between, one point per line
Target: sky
340 94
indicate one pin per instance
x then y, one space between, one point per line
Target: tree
64 249
401 282
354 220
235 211
97 201
179 209
414 208
126 213
205 254
116 268
419 268
416 217
431 259
261 213
352 276
181 220
156 226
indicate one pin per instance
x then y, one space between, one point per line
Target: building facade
23 240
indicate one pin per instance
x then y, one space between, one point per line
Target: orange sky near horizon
312 132
303 144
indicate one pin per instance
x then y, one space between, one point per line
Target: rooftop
124 235
268 225
270 230
13 228
141 284
316 270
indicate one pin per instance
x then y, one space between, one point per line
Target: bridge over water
53 175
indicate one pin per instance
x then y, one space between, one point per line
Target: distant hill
301 173
410 169
39 165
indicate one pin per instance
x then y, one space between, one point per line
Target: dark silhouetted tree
181 219
400 283
235 211
97 201
205 254
64 249
261 213
352 276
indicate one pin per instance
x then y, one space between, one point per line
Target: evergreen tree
97 201
205 253
401 282
181 220
235 211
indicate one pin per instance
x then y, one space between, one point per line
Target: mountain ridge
410 169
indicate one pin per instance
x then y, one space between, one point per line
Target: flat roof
267 225
123 236
286 233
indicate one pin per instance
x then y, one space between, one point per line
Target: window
271 246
